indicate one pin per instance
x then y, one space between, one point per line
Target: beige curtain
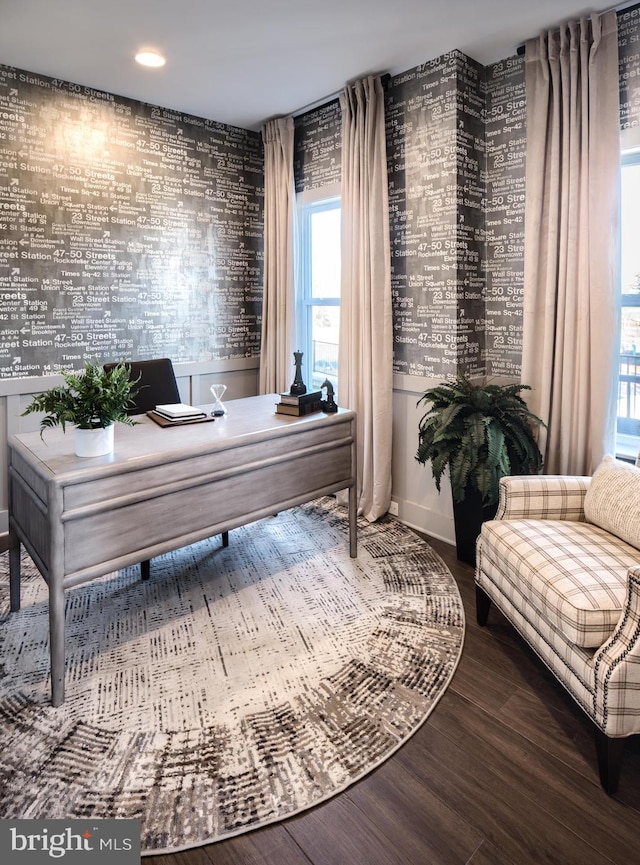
278 298
570 331
366 348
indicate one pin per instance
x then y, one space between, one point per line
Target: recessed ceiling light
150 58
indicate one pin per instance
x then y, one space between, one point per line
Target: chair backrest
157 383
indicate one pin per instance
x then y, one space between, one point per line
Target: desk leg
14 572
56 640
353 522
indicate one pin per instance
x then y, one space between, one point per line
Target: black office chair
157 385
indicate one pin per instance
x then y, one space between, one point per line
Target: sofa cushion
612 501
573 574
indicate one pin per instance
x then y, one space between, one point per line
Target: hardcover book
298 410
178 411
300 399
165 422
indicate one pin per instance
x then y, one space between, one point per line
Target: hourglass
218 392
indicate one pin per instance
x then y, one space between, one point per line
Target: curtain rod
618 7
318 102
385 77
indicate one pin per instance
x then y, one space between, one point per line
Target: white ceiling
243 61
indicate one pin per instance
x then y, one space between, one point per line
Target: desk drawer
189 469
178 516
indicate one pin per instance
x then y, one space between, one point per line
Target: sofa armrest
616 667
542 497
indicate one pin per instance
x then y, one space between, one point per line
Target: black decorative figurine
298 387
328 405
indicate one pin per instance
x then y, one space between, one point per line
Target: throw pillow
612 501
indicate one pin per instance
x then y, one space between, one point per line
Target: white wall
420 505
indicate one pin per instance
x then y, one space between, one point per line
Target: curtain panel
366 334
570 321
278 298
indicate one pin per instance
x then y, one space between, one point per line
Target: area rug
236 687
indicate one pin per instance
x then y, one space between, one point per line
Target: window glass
325 252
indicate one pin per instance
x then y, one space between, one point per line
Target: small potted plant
480 433
92 401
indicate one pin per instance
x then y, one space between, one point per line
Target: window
318 289
628 420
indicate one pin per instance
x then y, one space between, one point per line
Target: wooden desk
163 489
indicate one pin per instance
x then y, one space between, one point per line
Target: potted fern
92 401
480 433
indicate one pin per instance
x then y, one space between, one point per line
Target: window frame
627 429
308 203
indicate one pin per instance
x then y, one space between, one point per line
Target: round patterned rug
236 687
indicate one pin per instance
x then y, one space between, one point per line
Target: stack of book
179 412
299 404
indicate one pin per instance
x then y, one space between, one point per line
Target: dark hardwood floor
502 773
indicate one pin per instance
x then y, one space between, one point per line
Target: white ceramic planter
94 442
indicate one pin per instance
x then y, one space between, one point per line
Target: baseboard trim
428 522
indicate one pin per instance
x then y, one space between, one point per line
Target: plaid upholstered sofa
561 561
